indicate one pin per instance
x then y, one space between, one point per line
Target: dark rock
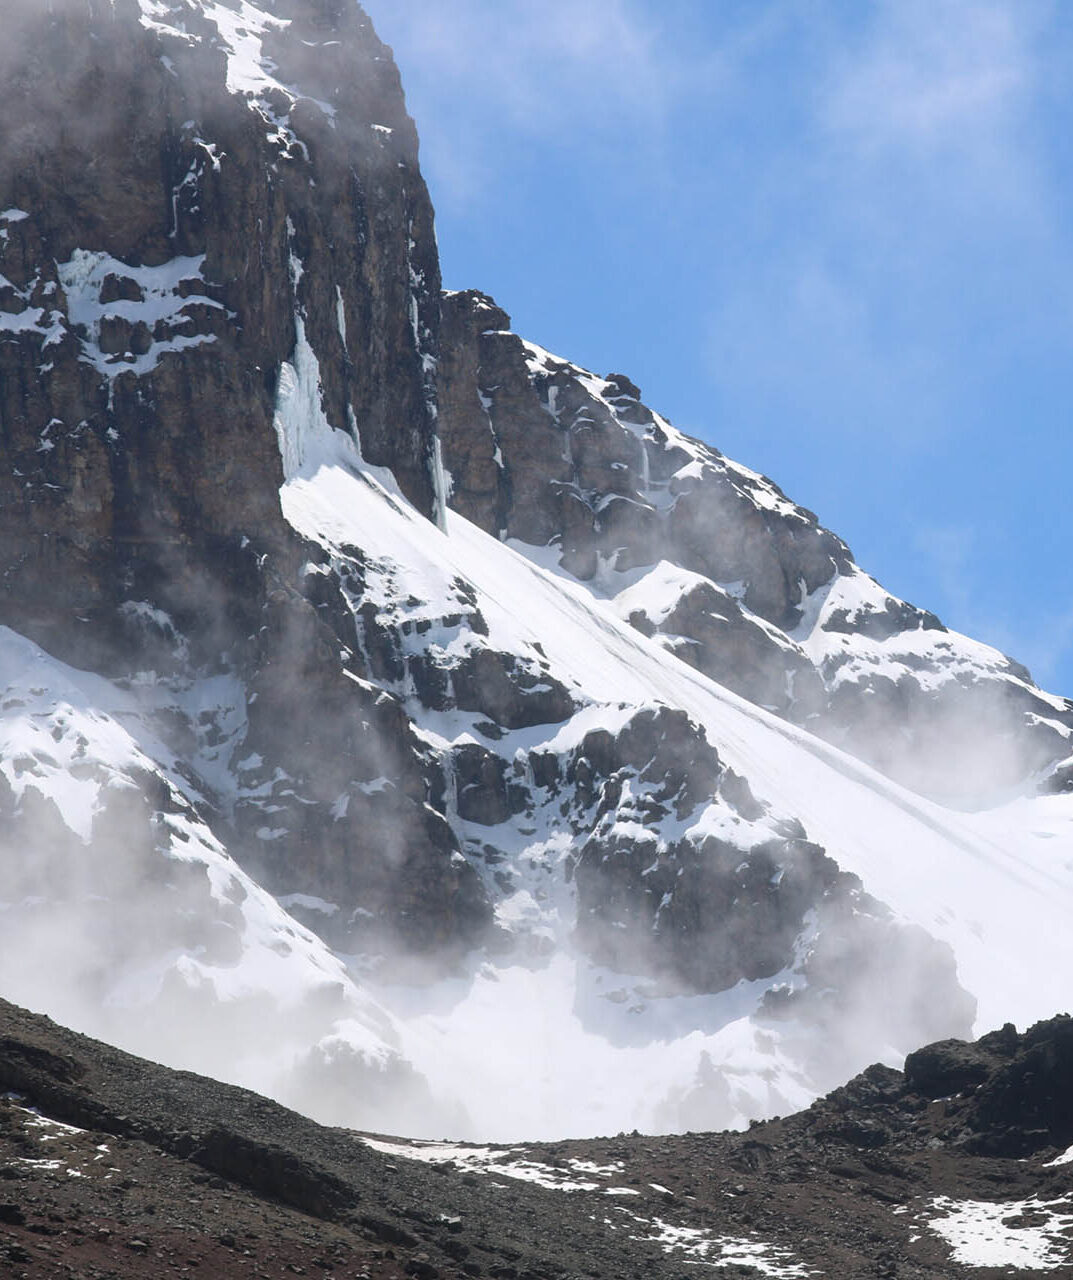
947 1067
880 624
700 913
621 388
740 653
850 1183
509 691
1027 1103
483 792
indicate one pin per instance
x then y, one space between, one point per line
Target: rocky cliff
239 212
373 677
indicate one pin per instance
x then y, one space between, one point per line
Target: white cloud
796 341
530 61
483 75
934 74
932 112
916 217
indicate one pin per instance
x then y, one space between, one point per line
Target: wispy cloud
481 70
934 75
950 550
933 103
912 210
797 341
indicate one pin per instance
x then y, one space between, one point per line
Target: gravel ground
111 1166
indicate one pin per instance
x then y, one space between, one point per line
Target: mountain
410 724
960 1165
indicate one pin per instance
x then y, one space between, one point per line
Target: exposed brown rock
138 476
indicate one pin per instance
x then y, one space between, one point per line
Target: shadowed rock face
701 912
151 296
172 214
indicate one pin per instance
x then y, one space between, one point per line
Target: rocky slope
113 1166
312 782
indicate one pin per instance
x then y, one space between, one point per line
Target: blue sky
835 239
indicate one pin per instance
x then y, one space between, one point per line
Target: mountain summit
406 722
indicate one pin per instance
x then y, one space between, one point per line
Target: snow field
997 886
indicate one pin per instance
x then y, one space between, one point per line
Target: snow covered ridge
714 562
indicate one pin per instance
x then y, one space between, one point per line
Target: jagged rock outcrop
1012 1091
581 462
708 627
723 902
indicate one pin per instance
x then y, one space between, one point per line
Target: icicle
450 789
439 486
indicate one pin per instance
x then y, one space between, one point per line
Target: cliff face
171 217
279 729
203 202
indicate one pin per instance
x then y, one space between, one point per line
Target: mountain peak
375 677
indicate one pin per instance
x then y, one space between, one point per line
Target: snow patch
491 1160
713 1250
1031 1235
163 308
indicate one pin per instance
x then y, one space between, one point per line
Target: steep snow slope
998 887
